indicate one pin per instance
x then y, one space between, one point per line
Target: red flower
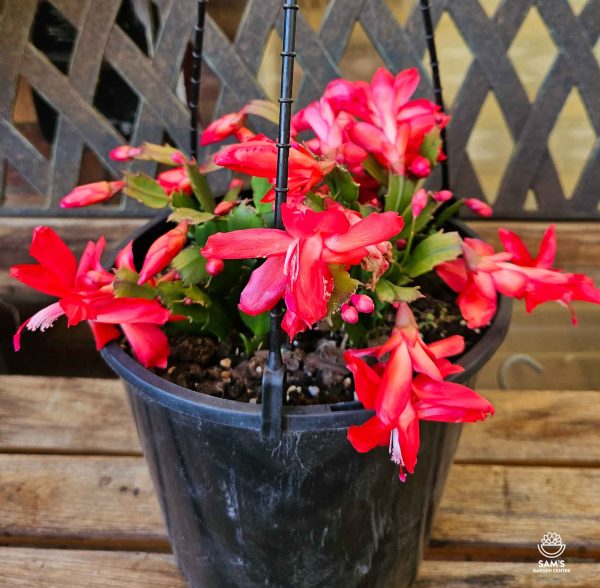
258 157
162 251
224 127
85 293
538 290
400 398
481 273
298 259
175 180
331 134
392 126
91 194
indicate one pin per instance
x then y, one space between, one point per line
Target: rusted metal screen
95 74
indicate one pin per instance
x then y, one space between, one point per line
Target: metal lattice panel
104 55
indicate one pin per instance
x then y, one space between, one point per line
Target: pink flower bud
124 153
400 244
363 303
91 194
214 267
236 184
163 250
125 258
420 167
479 207
223 127
349 314
188 301
442 196
175 180
178 158
224 208
419 201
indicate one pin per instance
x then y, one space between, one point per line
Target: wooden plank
562 370
53 568
469 574
536 427
107 502
58 568
86 415
65 415
506 507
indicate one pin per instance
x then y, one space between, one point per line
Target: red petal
368 435
447 347
373 229
547 252
515 246
52 252
103 333
265 287
148 343
454 273
246 243
449 402
40 278
366 380
395 388
132 310
477 306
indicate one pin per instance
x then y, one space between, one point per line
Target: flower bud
419 202
124 153
175 180
420 167
400 244
91 194
442 196
478 207
162 251
349 314
363 303
214 267
178 158
224 208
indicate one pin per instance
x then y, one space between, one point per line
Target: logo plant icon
551 545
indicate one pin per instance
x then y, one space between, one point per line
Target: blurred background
542 351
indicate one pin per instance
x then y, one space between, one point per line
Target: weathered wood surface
108 502
87 415
71 477
51 568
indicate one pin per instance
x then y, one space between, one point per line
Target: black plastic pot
307 511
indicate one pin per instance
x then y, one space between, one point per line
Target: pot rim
295 418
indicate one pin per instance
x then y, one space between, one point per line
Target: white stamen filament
395 450
45 318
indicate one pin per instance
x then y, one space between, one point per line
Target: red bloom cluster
407 385
298 261
353 119
481 272
85 292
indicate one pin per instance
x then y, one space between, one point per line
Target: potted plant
375 286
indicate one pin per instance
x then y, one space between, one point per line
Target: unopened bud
349 314
214 266
363 303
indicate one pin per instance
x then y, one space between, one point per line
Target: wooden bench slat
536 426
77 415
53 568
109 502
81 415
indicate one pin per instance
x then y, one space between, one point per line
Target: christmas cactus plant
363 245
